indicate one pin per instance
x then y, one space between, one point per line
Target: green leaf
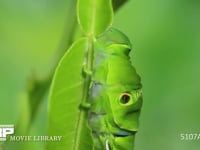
66 118
94 16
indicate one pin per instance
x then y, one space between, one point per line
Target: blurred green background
166 53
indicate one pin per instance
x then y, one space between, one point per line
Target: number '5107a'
190 136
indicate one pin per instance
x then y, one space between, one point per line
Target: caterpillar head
125 107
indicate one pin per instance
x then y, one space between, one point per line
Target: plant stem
89 65
84 101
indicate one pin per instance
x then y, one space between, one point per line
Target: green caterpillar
115 93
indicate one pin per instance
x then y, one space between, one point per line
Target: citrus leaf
94 16
66 119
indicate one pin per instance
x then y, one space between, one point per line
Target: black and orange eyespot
125 99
